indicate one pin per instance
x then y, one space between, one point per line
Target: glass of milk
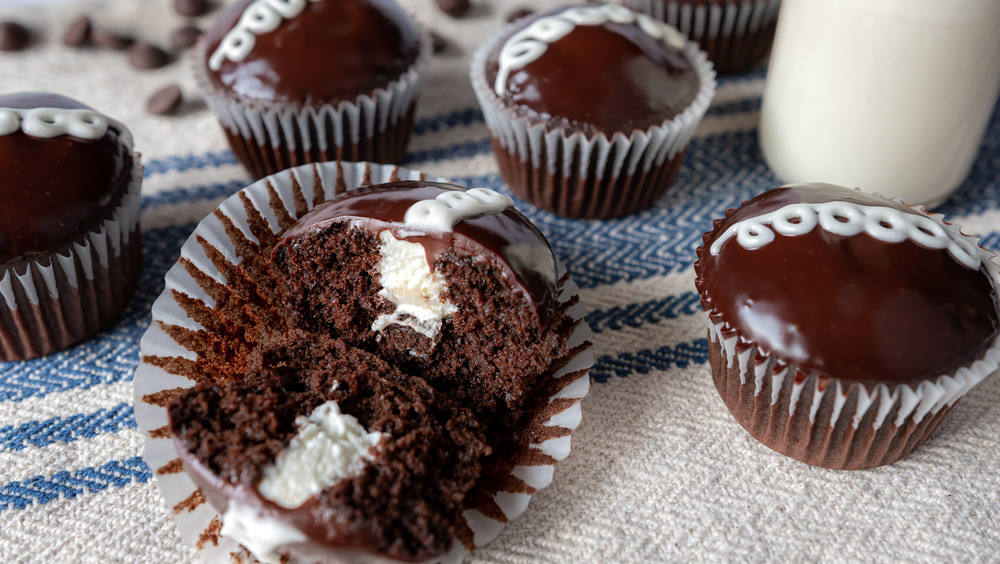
890 96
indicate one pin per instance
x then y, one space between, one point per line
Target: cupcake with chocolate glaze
70 249
590 108
307 81
736 34
844 327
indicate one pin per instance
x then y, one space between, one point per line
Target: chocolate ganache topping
847 285
521 250
310 51
596 68
63 165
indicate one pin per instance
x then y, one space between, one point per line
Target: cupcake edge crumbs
275 121
573 167
822 347
72 253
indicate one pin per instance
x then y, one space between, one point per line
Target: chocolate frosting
600 78
851 307
508 238
53 187
334 50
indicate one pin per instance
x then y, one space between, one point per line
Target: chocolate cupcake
736 34
300 82
844 327
70 250
590 108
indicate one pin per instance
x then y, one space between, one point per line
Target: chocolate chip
185 36
192 8
438 42
454 8
13 36
110 40
78 33
145 56
518 14
165 101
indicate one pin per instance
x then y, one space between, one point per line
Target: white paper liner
914 403
710 19
527 137
293 126
178 490
30 292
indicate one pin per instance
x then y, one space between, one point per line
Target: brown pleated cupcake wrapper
238 235
736 34
830 423
268 136
50 303
567 173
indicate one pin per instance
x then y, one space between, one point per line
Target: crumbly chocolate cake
402 502
469 305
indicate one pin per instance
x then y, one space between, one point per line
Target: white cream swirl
531 42
448 208
55 122
260 16
848 219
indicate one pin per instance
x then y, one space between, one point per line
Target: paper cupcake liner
207 281
833 423
600 177
75 290
736 34
268 136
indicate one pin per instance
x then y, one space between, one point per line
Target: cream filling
328 447
407 282
260 534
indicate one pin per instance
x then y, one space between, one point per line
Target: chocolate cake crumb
145 56
13 36
78 33
165 101
454 8
110 40
185 36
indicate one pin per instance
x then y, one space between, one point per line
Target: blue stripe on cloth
639 314
194 193
190 162
44 489
681 355
67 429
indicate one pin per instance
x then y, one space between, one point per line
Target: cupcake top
443 218
849 285
593 68
302 51
63 165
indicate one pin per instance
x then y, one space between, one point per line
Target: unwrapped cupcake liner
63 296
834 423
572 175
196 289
735 33
270 136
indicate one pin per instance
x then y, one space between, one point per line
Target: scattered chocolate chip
454 8
78 33
438 42
519 13
13 36
110 40
145 56
185 36
191 8
165 101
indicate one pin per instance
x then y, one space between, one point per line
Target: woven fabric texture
659 470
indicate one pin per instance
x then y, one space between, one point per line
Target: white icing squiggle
444 211
531 42
55 122
259 17
848 219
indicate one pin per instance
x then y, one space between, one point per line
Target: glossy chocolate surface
521 251
855 307
608 77
334 50
52 187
